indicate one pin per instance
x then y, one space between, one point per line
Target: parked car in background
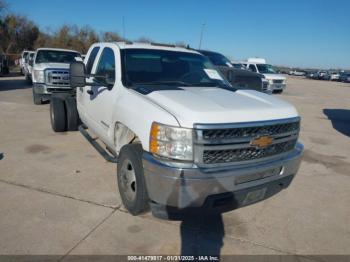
238 65
312 75
344 77
276 82
297 72
335 76
27 67
239 78
323 75
22 61
50 73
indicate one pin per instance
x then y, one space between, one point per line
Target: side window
91 60
252 68
106 67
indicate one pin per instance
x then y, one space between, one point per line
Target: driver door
100 97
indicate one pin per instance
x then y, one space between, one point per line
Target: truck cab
276 82
50 72
183 138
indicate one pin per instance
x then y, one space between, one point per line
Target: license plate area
254 196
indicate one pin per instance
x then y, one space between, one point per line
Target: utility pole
201 37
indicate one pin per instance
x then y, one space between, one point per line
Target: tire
72 114
131 180
58 114
36 98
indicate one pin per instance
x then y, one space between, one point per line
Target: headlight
270 81
39 76
171 142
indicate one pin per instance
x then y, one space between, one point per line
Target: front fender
136 112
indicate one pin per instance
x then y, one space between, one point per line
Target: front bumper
183 187
43 89
276 87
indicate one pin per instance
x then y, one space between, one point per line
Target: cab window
252 68
105 72
91 60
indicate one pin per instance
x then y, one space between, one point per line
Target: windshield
50 56
238 66
266 69
162 67
218 59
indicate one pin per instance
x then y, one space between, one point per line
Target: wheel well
123 136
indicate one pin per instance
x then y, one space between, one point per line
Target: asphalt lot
59 197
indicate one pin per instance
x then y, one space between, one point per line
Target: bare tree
111 37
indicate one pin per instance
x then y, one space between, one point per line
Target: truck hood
274 77
215 105
43 66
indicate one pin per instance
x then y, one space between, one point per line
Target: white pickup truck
50 72
277 82
182 137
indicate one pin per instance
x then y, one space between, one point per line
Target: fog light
281 171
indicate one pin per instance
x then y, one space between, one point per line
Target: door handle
90 92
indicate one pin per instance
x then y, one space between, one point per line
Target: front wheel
131 180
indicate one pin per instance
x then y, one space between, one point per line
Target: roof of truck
56 49
131 45
256 60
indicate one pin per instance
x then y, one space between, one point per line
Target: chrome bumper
183 187
43 89
274 87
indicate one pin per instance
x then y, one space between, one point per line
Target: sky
297 33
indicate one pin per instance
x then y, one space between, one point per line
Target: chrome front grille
250 132
231 143
244 154
57 77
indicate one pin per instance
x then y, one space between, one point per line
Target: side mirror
31 62
110 82
77 73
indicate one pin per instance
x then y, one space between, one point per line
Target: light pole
201 37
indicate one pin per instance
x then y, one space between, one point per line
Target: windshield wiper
165 82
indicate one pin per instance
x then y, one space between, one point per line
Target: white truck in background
50 72
22 60
27 65
183 138
277 82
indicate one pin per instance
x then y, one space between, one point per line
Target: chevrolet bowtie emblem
261 141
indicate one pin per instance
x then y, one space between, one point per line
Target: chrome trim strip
244 145
201 141
245 124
